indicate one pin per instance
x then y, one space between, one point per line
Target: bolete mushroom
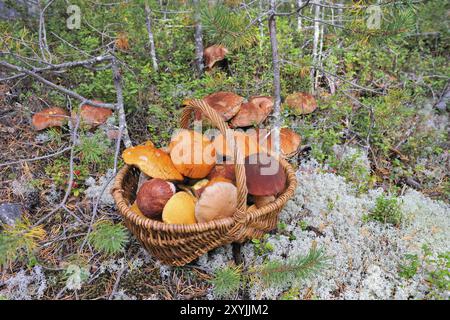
213 54
301 102
217 201
94 116
153 196
253 112
153 162
180 209
289 140
244 142
192 153
50 117
265 175
225 170
227 104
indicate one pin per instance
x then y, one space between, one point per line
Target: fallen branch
61 89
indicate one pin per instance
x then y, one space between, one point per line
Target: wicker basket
178 245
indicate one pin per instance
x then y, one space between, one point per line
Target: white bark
198 38
299 18
151 41
315 45
276 76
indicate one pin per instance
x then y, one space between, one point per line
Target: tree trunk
299 18
151 41
198 38
315 45
276 76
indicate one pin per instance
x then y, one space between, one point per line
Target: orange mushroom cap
265 176
153 162
94 116
301 102
50 117
227 104
245 143
253 112
192 153
225 170
289 140
214 54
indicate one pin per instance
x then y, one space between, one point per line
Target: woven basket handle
217 121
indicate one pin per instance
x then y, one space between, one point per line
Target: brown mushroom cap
301 102
265 175
153 162
214 54
225 170
227 104
192 153
94 116
253 112
153 196
289 140
50 117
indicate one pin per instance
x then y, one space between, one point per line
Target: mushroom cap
225 170
180 209
50 117
217 201
94 116
213 54
301 102
153 196
192 153
253 112
153 162
227 104
245 143
265 176
289 140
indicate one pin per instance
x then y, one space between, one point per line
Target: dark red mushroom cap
265 175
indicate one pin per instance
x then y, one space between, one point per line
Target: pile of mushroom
192 179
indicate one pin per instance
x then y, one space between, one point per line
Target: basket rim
224 223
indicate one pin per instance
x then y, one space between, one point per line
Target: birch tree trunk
299 18
151 41
260 23
276 76
198 38
319 54
315 45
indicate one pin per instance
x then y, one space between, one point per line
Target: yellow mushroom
180 209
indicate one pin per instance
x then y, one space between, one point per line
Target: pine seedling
108 237
274 273
227 281
19 240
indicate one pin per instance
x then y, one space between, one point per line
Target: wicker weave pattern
178 245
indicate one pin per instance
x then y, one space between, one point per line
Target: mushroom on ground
192 153
244 142
180 209
94 116
301 102
213 54
253 112
50 117
153 196
217 201
227 104
153 162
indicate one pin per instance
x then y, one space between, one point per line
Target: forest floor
367 259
